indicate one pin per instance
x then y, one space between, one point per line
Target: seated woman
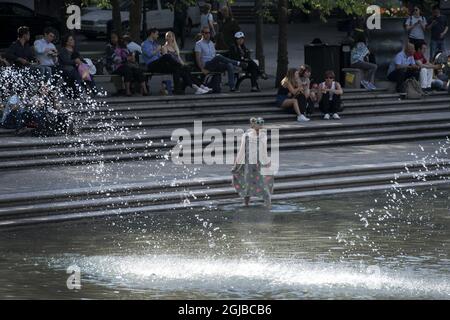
329 96
73 67
426 68
183 71
304 81
290 95
360 60
239 52
123 63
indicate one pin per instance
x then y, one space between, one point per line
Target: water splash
286 278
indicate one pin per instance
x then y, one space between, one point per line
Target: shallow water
335 247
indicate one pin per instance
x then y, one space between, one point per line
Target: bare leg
288 103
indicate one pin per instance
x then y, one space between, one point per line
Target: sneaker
201 91
255 89
206 88
326 117
365 84
302 118
371 86
336 116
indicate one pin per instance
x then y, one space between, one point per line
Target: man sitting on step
403 67
208 61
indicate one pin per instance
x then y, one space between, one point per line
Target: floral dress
248 179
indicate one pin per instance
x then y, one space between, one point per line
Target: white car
95 23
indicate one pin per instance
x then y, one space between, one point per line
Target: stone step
216 111
140 155
261 102
146 211
223 96
209 119
164 135
310 137
118 190
136 201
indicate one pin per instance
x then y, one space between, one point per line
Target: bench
114 83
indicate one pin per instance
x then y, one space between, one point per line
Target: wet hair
21 31
303 68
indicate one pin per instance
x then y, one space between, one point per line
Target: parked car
14 15
98 22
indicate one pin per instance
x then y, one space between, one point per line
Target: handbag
83 69
413 89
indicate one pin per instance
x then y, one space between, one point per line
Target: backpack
214 81
413 89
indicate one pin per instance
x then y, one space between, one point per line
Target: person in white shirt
133 48
329 95
46 52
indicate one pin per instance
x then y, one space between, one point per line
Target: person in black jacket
240 52
70 61
20 53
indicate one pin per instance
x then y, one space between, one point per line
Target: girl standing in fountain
249 176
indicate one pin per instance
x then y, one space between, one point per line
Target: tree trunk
117 19
282 60
135 20
259 35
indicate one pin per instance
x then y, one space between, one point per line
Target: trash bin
323 57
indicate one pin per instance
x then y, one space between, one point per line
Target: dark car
14 15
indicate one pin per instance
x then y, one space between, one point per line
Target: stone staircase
141 128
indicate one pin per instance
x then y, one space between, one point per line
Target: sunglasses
329 78
206 32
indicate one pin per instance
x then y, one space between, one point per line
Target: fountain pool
358 246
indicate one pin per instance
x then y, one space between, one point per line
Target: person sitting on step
330 92
239 52
360 60
291 95
184 73
403 67
304 80
426 68
123 63
209 61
